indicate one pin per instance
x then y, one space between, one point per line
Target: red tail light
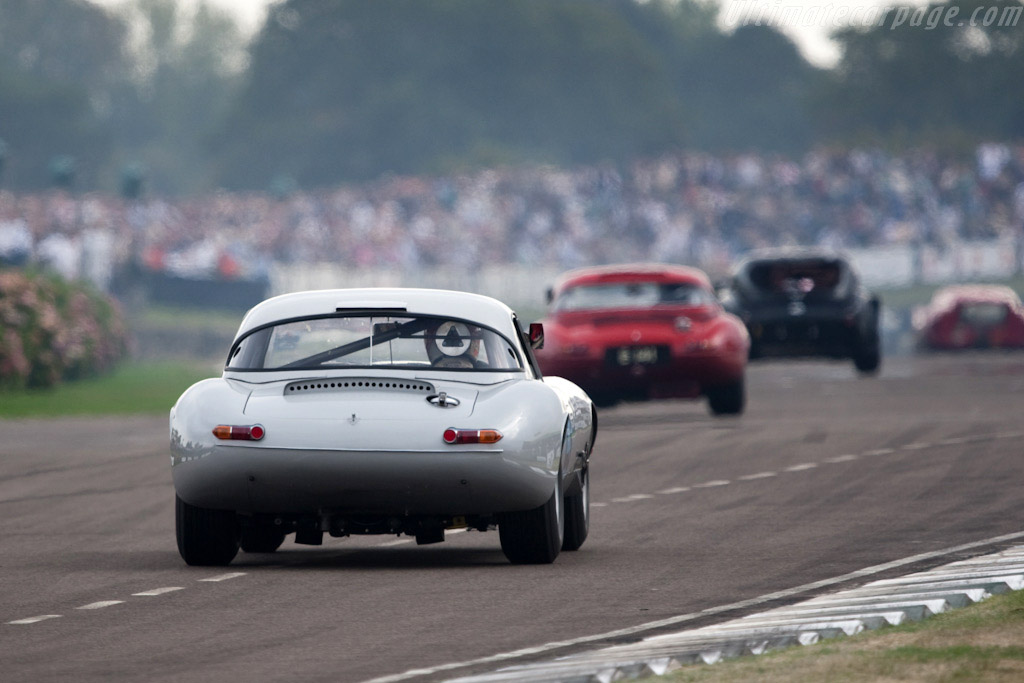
239 433
458 436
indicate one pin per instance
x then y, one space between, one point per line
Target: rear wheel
535 536
728 399
577 514
261 539
867 359
205 537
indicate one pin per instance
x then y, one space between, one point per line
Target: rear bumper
790 336
291 481
683 376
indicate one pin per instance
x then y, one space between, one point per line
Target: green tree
351 89
188 59
60 61
907 81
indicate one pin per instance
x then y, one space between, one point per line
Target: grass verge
133 388
982 642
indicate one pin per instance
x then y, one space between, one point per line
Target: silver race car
381 411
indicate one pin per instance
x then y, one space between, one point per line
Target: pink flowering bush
52 330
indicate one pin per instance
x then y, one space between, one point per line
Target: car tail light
458 436
239 433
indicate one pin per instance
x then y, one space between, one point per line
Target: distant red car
971 317
645 331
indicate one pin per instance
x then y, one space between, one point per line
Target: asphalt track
825 474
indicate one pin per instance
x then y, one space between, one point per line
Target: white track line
759 475
677 489
802 466
223 577
840 458
101 604
159 591
682 618
710 484
35 620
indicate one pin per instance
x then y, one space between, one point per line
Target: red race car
971 317
645 331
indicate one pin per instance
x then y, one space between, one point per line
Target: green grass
978 643
170 317
133 388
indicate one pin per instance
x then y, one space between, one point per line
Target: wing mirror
536 336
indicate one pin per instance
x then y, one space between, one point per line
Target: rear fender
190 418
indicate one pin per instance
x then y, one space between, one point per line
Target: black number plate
637 355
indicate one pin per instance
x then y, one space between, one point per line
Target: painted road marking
401 541
677 489
599 505
917 446
101 604
802 466
224 577
840 458
160 591
878 451
682 618
33 620
632 497
759 475
709 484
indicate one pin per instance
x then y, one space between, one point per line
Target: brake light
239 433
460 436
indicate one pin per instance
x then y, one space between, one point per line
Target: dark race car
645 331
805 302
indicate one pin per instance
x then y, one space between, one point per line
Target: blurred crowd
684 207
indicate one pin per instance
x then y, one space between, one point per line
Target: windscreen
632 295
375 341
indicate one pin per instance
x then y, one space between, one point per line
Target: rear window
632 295
983 314
796 276
375 341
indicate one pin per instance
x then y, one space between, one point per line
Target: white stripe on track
35 620
101 604
159 591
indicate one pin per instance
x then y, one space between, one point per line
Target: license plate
635 355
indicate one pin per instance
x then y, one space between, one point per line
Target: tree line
154 94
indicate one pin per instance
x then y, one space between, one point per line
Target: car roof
440 302
792 254
633 272
951 294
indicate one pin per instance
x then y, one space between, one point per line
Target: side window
524 341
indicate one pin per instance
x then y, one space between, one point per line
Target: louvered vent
357 384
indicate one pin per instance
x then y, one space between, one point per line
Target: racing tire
867 362
534 536
261 539
577 514
728 399
205 537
